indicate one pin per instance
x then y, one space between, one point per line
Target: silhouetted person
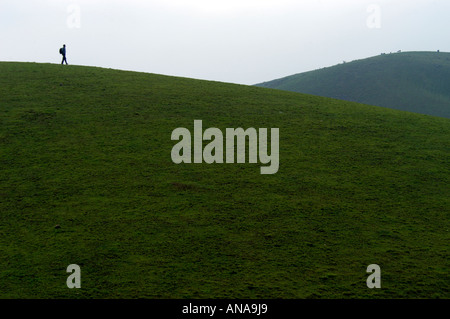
63 52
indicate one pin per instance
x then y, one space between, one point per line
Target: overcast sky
238 41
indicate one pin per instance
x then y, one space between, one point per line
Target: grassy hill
413 81
88 149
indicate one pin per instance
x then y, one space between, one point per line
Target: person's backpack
61 51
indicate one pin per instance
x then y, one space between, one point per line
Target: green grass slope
89 149
412 81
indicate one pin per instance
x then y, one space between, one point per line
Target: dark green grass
411 81
89 149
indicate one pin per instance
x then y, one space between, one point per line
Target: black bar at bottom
222 308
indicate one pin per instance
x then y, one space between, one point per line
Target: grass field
409 81
88 149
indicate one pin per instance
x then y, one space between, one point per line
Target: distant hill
86 178
411 81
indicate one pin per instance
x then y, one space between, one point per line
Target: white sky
238 41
